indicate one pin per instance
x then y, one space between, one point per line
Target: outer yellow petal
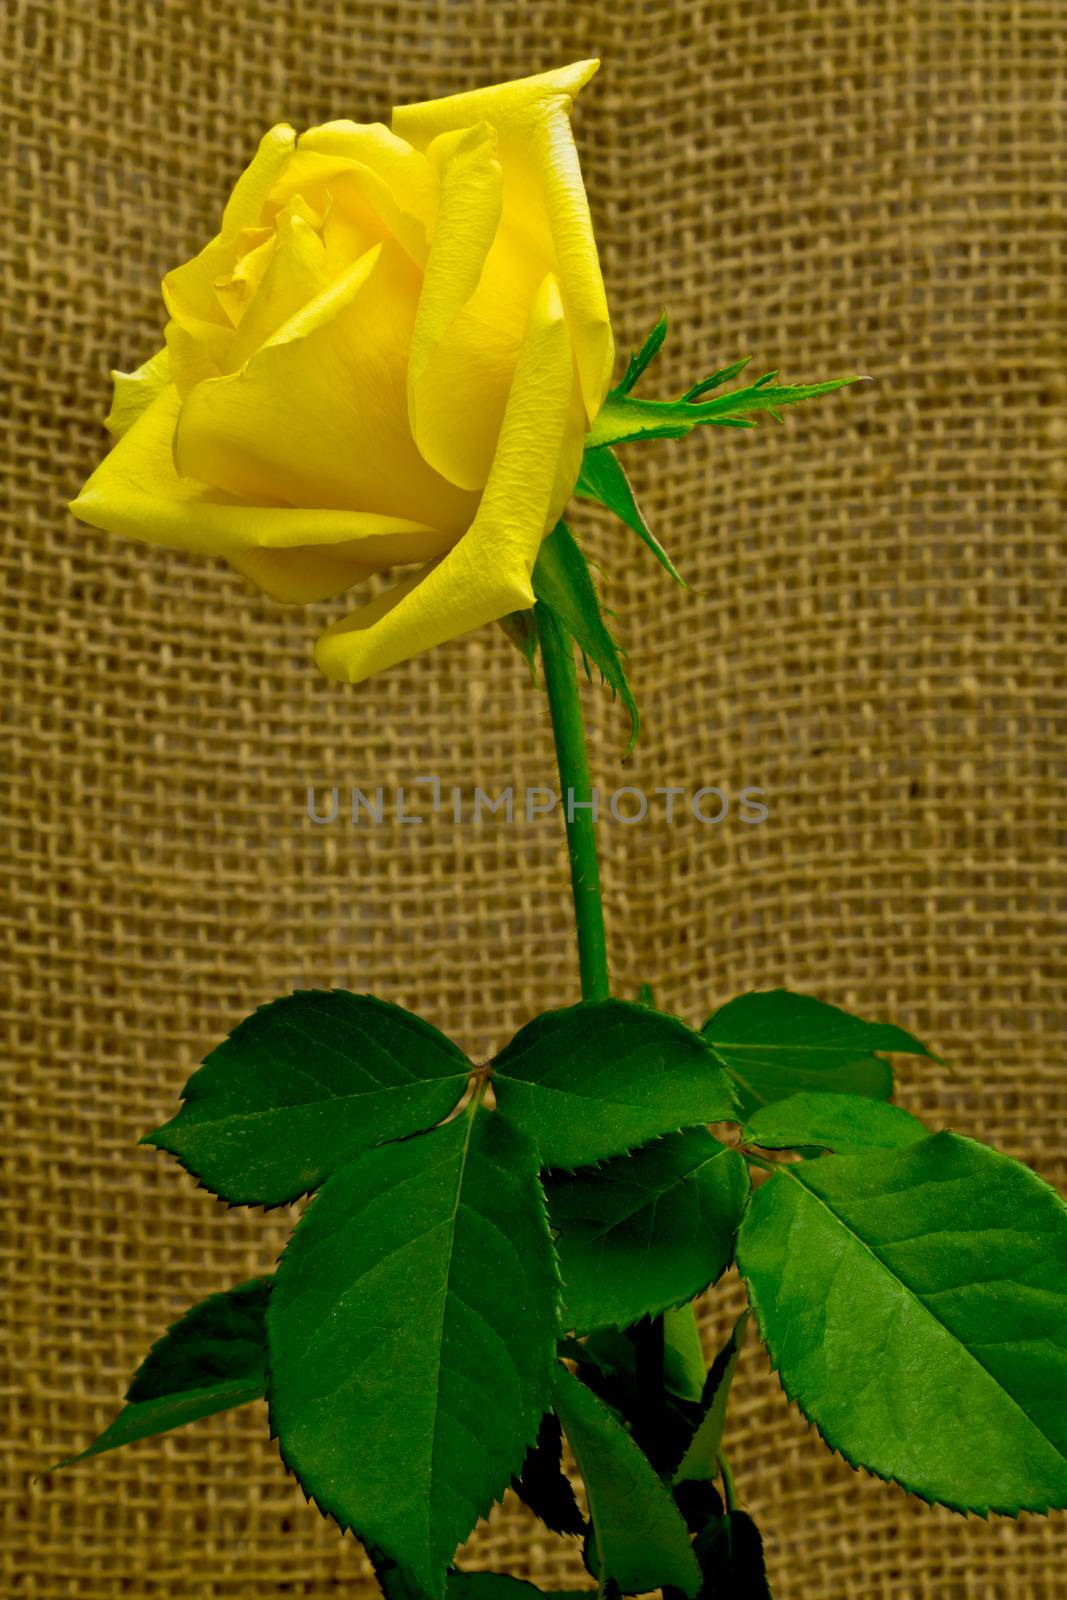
453 418
510 107
544 196
318 416
135 391
137 493
301 575
487 574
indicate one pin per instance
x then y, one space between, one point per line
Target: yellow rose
390 353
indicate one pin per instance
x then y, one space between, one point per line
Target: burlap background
874 639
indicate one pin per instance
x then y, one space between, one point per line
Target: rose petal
544 196
456 405
487 574
135 391
318 416
136 492
405 170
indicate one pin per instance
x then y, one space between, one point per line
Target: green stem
729 1491
758 1161
561 683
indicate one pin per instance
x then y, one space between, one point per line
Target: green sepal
603 479
640 359
700 1460
717 379
623 418
520 628
843 1123
641 1541
210 1360
914 1304
774 1044
599 1078
412 1334
562 582
646 1230
304 1084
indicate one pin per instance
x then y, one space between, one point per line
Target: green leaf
623 418
646 1230
683 1354
914 1303
501 1586
775 1044
701 1457
211 1359
730 1552
641 1540
542 1484
601 1077
843 1123
563 583
642 358
603 479
412 1333
394 1582
305 1084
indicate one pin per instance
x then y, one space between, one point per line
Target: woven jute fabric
872 637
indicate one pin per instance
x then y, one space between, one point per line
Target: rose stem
561 684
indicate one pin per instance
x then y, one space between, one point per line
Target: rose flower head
389 355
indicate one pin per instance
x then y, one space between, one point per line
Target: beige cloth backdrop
872 637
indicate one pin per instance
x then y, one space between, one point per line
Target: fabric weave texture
875 637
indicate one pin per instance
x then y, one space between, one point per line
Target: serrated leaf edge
153 1140
311 1499
631 1152
837 1449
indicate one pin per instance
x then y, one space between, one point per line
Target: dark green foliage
701 1456
646 1230
911 1290
683 1355
914 1303
499 1586
542 1484
212 1359
641 1540
775 1044
302 1085
730 1552
412 1332
597 1079
843 1123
